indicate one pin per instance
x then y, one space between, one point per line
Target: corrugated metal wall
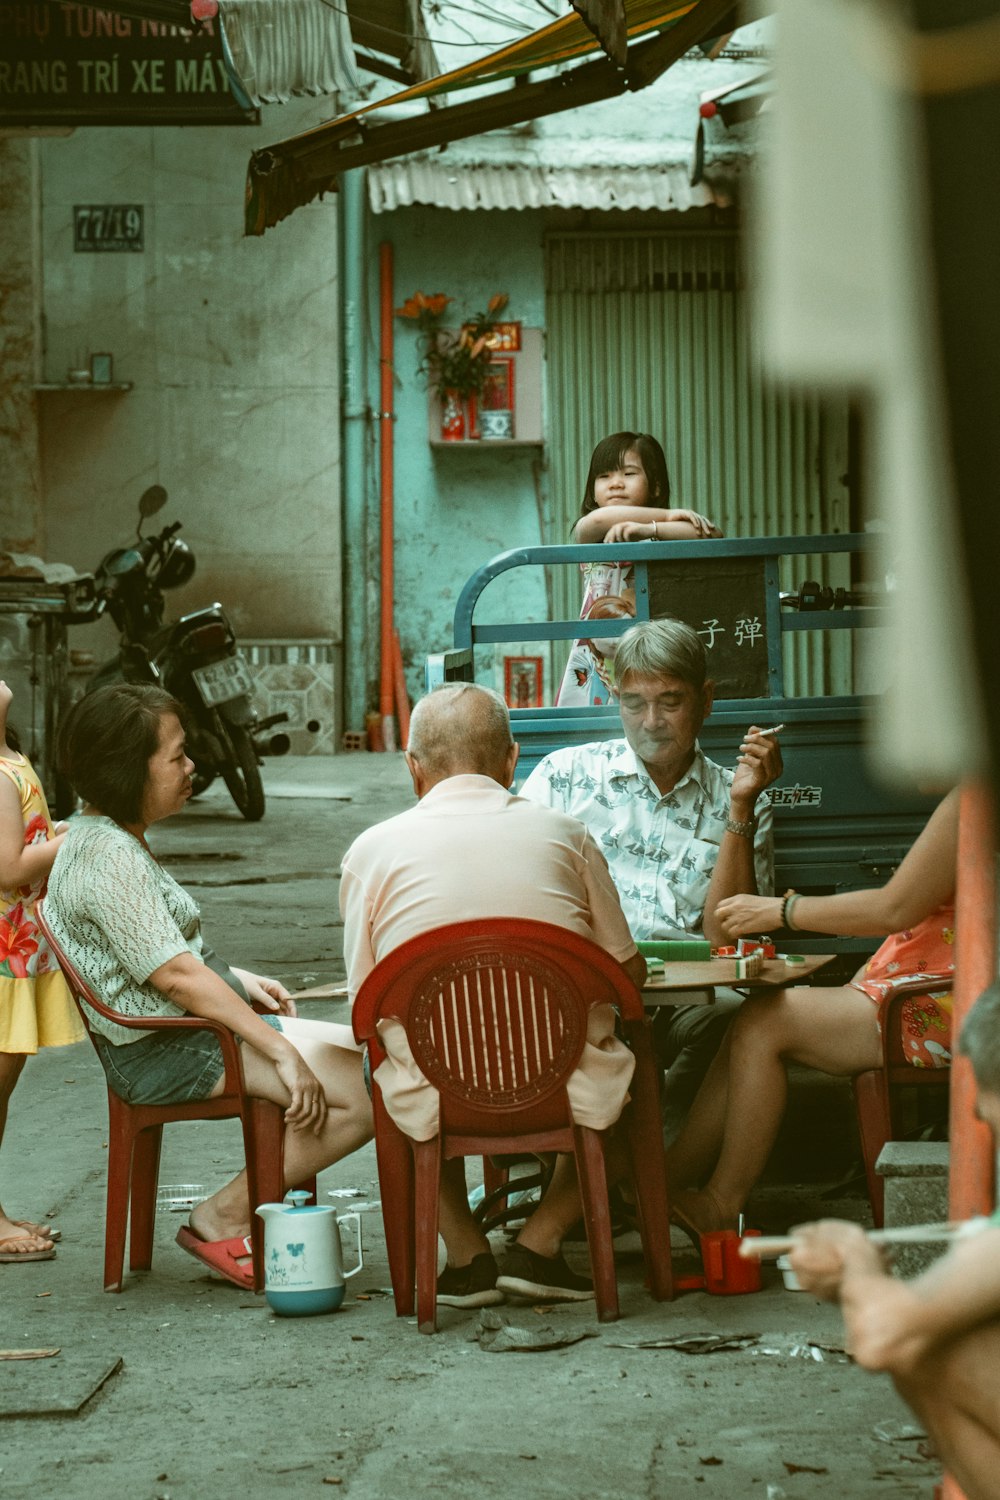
647 331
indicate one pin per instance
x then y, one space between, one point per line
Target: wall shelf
485 444
528 424
86 386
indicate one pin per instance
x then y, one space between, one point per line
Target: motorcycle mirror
152 500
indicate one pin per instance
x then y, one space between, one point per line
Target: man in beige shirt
470 848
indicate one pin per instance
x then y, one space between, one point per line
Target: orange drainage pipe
402 696
971 1173
386 481
971 1185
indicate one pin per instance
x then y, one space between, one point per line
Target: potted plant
454 364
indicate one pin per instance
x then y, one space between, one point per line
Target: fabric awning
291 173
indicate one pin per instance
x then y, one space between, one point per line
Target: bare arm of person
684 525
924 881
890 1323
197 989
21 864
594 526
759 765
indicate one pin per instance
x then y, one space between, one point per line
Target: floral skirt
919 965
37 1012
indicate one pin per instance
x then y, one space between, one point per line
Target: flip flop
44 1231
678 1221
685 1224
9 1256
222 1256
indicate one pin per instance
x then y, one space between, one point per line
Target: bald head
460 730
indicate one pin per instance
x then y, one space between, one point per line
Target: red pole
386 419
402 696
971 1185
971 1173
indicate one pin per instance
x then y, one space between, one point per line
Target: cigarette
776 730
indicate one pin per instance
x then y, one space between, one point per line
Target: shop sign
81 65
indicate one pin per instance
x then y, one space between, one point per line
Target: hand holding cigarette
758 765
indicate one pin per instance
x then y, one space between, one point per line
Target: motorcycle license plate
223 680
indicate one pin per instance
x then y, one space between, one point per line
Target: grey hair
661 648
980 1039
461 729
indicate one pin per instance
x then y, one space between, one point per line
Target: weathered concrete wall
231 345
20 489
456 507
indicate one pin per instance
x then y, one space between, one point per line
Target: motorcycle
194 658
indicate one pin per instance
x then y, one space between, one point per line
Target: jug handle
361 1258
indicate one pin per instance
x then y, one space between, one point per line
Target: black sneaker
474 1285
541 1278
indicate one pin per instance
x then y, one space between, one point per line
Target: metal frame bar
468 635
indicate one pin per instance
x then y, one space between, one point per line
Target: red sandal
222 1256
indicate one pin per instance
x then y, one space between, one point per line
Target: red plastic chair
135 1133
496 1015
877 1100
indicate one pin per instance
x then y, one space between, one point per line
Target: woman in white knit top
135 936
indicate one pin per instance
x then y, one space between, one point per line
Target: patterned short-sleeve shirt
661 849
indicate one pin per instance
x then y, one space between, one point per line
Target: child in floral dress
36 1008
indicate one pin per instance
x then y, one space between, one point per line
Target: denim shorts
168 1068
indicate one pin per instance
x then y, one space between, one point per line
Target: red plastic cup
727 1274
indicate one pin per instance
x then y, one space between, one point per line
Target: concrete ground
214 1396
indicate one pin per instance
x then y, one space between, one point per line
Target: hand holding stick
904 1234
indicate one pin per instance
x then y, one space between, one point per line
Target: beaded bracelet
787 907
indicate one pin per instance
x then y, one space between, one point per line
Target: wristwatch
742 830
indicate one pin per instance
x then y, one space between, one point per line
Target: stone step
916 1192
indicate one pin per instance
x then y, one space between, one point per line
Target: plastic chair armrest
627 1001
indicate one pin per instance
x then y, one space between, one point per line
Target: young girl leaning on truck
625 500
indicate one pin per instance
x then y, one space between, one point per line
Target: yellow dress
36 1007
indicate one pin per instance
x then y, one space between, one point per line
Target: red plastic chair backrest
78 985
495 1011
82 991
85 997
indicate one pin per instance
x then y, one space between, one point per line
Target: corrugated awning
291 173
279 49
416 180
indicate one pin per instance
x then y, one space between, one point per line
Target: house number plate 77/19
107 226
